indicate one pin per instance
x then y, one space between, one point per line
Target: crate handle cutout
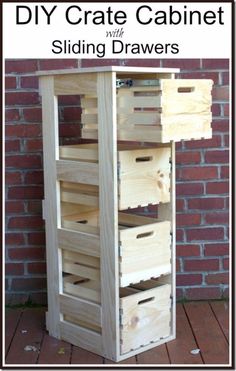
186 89
144 159
145 235
144 301
84 280
82 221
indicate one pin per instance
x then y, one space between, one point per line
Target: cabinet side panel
108 213
50 147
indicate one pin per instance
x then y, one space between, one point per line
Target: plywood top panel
119 69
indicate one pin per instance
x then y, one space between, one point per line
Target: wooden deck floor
203 325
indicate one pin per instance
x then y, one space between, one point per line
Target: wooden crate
143 174
145 241
174 110
145 315
111 275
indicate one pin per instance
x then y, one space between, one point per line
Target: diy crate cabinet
111 273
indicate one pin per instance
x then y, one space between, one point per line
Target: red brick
25 222
224 172
12 145
24 130
54 64
179 293
225 78
32 114
141 62
186 189
226 263
201 265
177 265
14 269
69 130
179 204
34 145
188 250
100 62
188 157
14 239
24 161
217 218
201 75
215 63
226 140
215 109
13 177
187 219
203 293
198 173
217 187
216 157
10 82
206 203
226 109
188 279
21 65
220 93
205 234
216 249
21 98
215 141
220 126
225 293
34 207
217 278
27 284
36 238
179 235
16 298
36 268
29 82
12 115
181 63
34 177
25 192
39 298
26 253
13 207
68 100
72 114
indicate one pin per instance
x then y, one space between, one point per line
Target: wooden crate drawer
145 241
143 176
145 315
170 111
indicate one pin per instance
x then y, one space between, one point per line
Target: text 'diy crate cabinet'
110 268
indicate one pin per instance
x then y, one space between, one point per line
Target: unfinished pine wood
81 309
83 222
83 243
108 213
145 317
51 189
83 288
81 337
75 84
149 247
77 172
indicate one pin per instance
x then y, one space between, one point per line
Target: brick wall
202 182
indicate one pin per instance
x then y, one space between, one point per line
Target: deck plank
12 317
131 360
180 349
82 356
208 334
157 356
30 331
221 310
54 351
